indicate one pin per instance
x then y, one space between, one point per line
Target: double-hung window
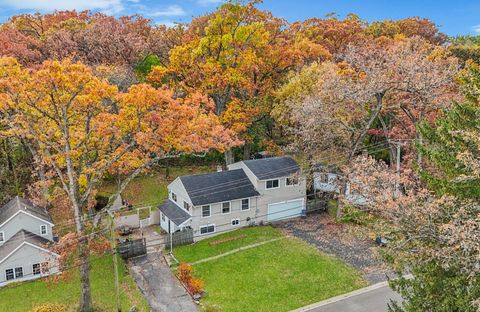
206 211
271 184
2 237
174 197
245 204
226 207
18 272
36 269
207 229
186 206
43 229
9 274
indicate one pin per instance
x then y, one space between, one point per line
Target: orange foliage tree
82 127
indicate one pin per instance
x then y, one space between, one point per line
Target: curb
341 297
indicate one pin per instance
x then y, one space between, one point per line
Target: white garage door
285 209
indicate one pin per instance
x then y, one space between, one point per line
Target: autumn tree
236 58
82 127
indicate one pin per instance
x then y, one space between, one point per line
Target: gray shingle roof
271 168
19 203
173 212
20 237
218 187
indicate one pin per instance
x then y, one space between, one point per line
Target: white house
25 236
249 192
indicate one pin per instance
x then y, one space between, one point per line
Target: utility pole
115 263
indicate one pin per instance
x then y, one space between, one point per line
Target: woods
87 96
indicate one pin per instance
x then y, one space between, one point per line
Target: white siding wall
25 257
27 223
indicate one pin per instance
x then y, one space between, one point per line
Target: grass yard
152 188
68 291
277 276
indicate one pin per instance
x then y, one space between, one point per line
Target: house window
36 269
174 197
291 181
245 204
271 184
235 222
186 206
323 177
205 211
226 207
18 272
9 274
2 237
163 216
207 229
43 229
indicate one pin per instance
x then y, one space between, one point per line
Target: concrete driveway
369 299
157 283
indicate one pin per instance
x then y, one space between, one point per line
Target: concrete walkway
373 298
157 283
236 250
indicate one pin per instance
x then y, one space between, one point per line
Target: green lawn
277 276
203 249
152 188
22 297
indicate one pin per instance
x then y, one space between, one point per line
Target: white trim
206 226
272 188
30 244
46 230
209 211
28 214
235 225
3 237
241 204
229 207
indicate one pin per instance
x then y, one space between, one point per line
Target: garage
285 209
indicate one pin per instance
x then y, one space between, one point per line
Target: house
25 232
249 192
327 179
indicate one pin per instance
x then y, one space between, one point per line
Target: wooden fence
133 248
184 237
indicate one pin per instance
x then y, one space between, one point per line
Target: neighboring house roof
176 214
18 239
21 204
271 168
218 187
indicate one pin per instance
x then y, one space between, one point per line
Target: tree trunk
372 118
247 149
229 159
85 294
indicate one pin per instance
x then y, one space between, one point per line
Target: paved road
371 299
157 283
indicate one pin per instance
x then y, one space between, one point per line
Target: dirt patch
227 239
347 242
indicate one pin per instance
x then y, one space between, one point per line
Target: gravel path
336 239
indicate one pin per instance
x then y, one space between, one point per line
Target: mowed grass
277 276
152 188
23 297
205 249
